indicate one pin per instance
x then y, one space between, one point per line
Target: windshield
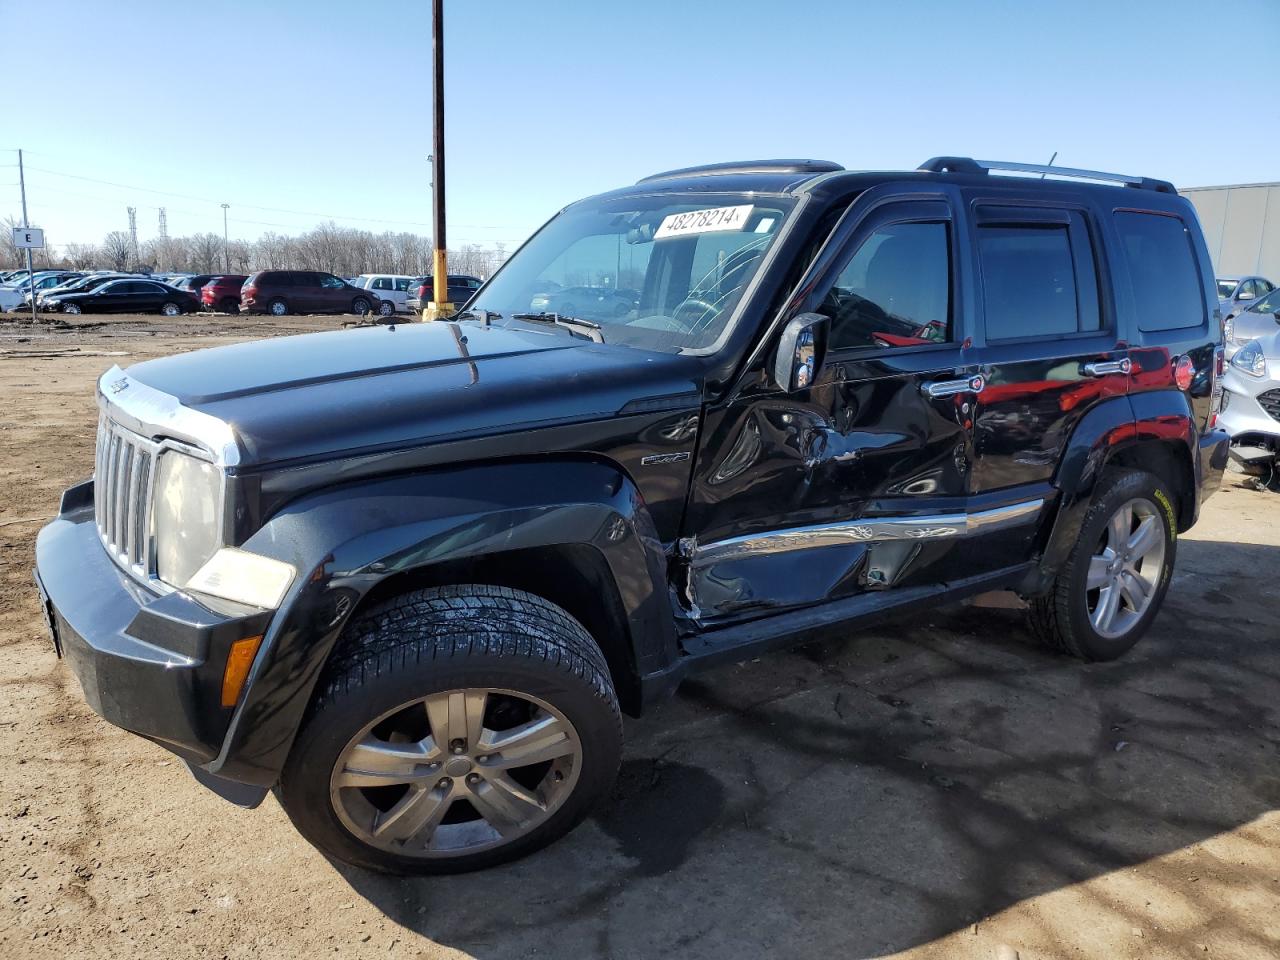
1225 287
659 272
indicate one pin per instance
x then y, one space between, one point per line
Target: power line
251 206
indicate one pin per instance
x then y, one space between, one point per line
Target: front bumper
149 663
1242 415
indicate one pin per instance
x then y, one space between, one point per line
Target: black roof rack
747 166
969 165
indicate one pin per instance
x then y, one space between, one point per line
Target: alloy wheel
170 310
1125 570
456 772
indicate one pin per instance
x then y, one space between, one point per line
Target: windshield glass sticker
704 221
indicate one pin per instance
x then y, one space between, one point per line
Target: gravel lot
932 789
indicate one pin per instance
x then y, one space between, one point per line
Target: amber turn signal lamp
239 660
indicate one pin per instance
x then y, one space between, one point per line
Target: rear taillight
1216 404
422 291
1184 371
248 291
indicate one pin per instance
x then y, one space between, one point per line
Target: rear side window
1162 268
1038 278
382 283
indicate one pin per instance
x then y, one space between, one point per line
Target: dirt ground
934 789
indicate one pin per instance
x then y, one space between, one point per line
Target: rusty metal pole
440 305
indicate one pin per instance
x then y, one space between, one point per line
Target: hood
376 388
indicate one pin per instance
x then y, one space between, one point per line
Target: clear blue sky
322 108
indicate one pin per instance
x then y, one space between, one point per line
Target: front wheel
1111 587
361 307
455 728
71 308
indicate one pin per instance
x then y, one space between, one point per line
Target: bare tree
80 256
205 252
117 250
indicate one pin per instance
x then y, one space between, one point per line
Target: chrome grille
1270 402
123 478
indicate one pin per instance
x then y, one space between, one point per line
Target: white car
391 289
11 297
1250 406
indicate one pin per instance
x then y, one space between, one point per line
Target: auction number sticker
704 221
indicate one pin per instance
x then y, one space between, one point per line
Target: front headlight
188 516
1250 359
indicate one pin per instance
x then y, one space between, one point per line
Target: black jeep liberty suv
410 576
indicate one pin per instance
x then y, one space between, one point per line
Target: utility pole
226 244
164 238
31 274
133 236
440 305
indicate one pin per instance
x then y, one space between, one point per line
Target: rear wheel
278 308
386 309
170 309
1111 587
456 728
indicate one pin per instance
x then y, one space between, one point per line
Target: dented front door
859 482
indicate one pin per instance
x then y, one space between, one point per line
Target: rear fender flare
343 541
1109 431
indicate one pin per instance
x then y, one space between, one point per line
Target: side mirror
801 349
1243 296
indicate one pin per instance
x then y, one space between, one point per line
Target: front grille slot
122 494
1270 402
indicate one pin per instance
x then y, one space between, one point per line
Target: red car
223 293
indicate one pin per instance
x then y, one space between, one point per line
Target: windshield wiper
587 328
478 313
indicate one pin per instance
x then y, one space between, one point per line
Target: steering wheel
702 312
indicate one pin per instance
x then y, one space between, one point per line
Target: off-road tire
1060 618
447 638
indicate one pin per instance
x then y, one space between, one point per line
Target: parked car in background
281 292
1236 293
12 297
591 303
128 295
192 284
75 285
222 293
1250 406
392 290
1259 319
461 287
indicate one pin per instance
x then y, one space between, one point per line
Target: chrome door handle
949 388
1105 367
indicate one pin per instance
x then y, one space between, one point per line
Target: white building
1241 225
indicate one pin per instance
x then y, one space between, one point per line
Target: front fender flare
343 541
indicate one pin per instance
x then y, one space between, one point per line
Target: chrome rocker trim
939 527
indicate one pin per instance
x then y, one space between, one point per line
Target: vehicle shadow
867 794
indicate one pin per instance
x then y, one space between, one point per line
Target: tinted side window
895 291
1035 281
328 280
402 284
1162 268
